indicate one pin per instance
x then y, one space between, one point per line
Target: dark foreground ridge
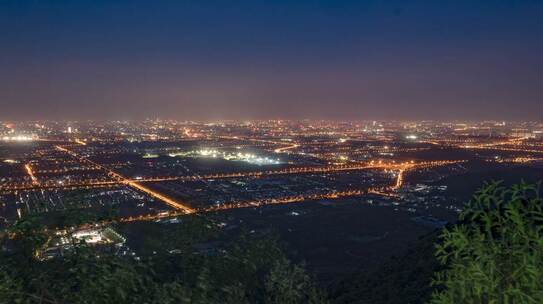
493 254
402 279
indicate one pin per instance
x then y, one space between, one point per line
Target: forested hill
404 279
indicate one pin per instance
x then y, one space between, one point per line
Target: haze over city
205 60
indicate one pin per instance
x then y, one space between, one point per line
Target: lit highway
151 157
28 169
119 180
136 185
382 191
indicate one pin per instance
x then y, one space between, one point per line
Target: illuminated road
182 208
340 149
399 179
278 150
499 148
28 170
245 204
383 191
79 141
518 143
168 201
120 180
281 150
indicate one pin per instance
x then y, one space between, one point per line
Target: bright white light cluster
239 156
18 138
207 152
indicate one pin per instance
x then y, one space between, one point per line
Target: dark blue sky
268 59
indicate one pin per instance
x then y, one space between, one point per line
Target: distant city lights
19 138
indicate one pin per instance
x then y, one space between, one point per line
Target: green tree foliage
249 269
495 253
289 284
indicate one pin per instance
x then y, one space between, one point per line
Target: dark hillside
401 280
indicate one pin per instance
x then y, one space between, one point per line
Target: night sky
206 60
